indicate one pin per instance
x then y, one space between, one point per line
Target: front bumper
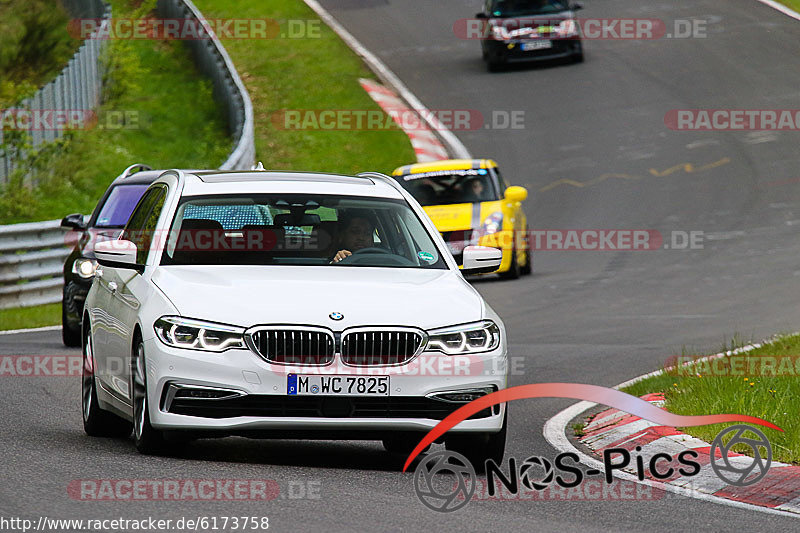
511 51
259 400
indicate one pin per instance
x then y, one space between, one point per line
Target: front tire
403 443
513 270
528 268
96 421
69 336
148 440
480 447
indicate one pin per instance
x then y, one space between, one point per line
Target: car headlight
500 33
493 223
470 338
187 333
84 268
567 28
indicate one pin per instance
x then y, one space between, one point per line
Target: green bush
35 44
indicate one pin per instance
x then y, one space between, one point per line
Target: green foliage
35 44
30 317
740 384
171 121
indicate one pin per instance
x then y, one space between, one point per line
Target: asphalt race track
585 317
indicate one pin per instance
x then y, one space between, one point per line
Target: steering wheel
373 250
386 258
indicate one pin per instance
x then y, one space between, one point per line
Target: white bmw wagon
288 305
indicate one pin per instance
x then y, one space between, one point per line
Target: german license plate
314 385
537 45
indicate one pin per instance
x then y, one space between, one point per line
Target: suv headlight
190 334
470 338
493 223
84 268
567 28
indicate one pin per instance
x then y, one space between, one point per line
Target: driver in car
355 233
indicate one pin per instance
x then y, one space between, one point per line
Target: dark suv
105 223
530 30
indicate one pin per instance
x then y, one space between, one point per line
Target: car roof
265 182
143 176
447 164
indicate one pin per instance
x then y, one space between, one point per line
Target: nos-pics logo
446 481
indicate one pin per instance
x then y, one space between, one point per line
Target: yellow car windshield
450 186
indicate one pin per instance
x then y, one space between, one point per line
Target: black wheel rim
139 392
87 381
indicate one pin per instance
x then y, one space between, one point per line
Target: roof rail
138 166
381 177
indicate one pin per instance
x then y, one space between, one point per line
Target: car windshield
450 187
306 230
119 205
521 8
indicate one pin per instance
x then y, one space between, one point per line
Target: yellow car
470 203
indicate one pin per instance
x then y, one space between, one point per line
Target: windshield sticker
426 256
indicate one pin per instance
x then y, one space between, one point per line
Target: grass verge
794 4
158 110
314 72
30 317
764 382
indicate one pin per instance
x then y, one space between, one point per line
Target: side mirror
516 194
119 254
481 16
73 222
481 260
577 6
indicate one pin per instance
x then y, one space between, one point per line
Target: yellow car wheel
513 269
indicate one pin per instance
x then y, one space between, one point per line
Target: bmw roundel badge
336 316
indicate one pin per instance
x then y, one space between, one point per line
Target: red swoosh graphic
578 391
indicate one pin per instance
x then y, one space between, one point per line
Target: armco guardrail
212 59
77 87
31 261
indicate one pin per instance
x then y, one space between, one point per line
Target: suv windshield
521 8
298 229
450 186
119 205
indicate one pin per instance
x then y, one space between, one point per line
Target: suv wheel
480 447
96 421
69 336
149 441
403 443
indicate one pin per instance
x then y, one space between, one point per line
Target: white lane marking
29 330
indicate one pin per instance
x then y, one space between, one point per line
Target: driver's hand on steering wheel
341 254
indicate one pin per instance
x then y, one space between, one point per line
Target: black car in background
105 223
530 30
